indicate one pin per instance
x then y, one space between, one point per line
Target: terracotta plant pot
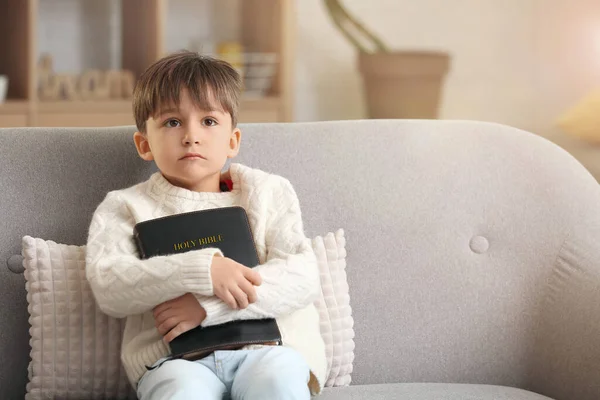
403 85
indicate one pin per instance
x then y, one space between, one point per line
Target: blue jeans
272 372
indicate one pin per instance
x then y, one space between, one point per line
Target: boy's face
189 145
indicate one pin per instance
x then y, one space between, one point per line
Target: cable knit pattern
337 324
126 286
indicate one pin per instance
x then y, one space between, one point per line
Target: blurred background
532 64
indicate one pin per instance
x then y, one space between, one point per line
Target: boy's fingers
240 297
249 289
167 325
162 315
180 328
160 308
253 276
229 300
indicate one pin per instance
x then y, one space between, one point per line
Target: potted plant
398 84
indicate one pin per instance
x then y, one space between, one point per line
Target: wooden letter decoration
89 86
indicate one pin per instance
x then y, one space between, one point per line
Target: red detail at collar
229 184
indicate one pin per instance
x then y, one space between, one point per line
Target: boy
186 108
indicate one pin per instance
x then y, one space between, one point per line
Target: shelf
109 106
14 107
252 102
16 42
268 109
112 113
14 113
247 103
30 29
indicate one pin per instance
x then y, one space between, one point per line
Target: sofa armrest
567 347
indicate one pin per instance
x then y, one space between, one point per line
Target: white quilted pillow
75 347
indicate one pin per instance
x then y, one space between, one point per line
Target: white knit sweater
126 287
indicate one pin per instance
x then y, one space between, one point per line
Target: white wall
519 62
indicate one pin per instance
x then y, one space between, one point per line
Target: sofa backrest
452 230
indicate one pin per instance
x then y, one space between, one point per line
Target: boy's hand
233 282
178 316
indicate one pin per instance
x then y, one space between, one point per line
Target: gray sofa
473 249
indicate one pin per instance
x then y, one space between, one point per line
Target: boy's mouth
193 156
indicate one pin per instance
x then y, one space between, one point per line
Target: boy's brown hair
209 81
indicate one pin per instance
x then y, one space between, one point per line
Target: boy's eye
209 122
172 123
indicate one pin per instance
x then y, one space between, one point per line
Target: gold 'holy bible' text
192 243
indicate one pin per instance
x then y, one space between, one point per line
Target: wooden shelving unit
266 26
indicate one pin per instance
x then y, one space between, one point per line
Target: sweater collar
161 186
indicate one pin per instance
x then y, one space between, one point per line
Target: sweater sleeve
122 283
290 275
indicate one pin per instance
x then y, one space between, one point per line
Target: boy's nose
189 140
191 136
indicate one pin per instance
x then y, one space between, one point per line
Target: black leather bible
229 230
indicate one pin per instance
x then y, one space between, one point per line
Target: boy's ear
143 146
234 143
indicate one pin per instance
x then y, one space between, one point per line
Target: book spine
247 222
139 244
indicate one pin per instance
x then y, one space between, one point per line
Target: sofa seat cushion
428 391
